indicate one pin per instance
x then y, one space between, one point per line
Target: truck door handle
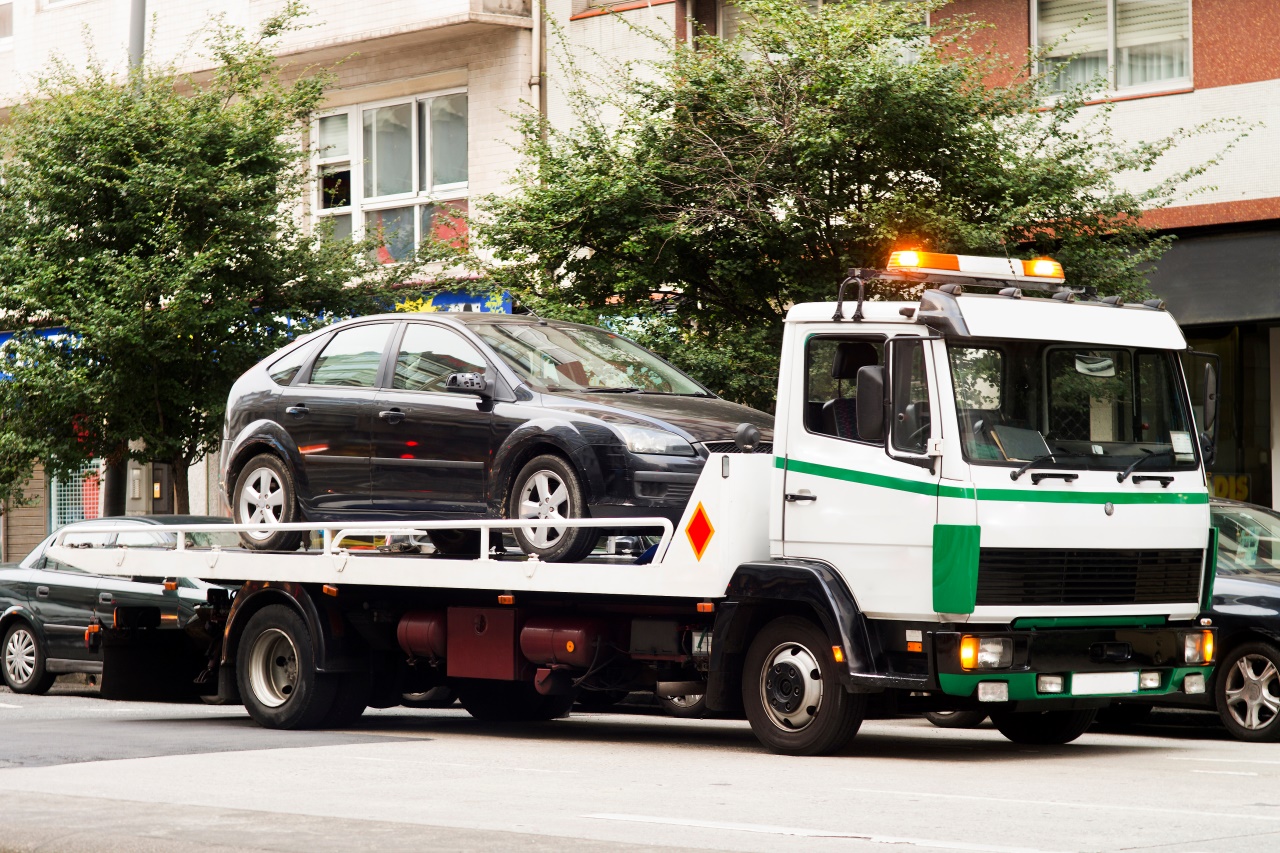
105 598
393 416
792 497
297 411
42 592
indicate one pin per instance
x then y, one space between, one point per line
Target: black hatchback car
439 416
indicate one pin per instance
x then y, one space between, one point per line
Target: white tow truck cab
972 501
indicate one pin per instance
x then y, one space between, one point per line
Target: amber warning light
914 264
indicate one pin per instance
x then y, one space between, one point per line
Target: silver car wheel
261 499
20 656
791 686
273 668
544 496
1252 692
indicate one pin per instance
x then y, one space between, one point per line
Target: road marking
3 705
1065 804
468 766
812 833
1222 760
1226 772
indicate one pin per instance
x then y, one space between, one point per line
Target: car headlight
646 440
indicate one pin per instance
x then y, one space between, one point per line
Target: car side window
287 367
352 357
77 540
428 354
143 539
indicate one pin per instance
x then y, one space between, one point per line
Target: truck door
864 502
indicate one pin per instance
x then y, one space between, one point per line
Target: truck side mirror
467 383
1209 431
871 403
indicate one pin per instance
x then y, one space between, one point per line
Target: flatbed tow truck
971 501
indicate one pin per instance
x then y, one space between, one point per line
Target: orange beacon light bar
914 263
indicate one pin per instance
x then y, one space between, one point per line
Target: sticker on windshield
1182 448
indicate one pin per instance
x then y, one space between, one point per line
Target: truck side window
910 423
831 382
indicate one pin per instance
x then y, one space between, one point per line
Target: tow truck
989 501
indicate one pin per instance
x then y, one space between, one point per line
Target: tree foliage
711 190
156 221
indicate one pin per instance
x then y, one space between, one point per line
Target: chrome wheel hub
1253 692
791 686
273 668
545 496
20 656
261 499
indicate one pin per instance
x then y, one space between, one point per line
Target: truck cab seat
840 415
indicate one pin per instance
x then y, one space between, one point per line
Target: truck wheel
792 694
511 701
436 697
956 719
549 487
1247 690
276 671
24 670
1043 727
685 707
265 491
351 697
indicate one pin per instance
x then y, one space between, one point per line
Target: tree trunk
181 494
116 487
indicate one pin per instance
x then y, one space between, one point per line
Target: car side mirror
871 403
467 383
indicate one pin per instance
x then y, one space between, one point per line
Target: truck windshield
580 358
1096 407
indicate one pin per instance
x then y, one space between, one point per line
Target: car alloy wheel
262 498
1251 692
545 496
265 494
20 656
549 488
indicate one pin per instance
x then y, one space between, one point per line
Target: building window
6 24
387 170
732 17
1127 44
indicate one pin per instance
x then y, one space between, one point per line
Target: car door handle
392 416
793 497
105 598
297 411
42 592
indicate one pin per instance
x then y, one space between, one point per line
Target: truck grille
732 447
1012 576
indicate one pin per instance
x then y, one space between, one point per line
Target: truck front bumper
1073 664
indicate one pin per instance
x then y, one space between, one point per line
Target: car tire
266 491
436 697
956 719
456 543
692 707
1247 691
276 672
511 701
24 661
1043 728
792 694
548 487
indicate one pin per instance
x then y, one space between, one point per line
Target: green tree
157 221
731 180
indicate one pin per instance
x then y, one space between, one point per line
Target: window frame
1113 89
397 344
876 338
6 42
434 195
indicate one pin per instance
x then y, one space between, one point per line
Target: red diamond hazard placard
699 531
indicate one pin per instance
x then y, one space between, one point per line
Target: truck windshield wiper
1013 475
1151 454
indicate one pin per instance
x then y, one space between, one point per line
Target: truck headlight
1197 647
986 652
650 440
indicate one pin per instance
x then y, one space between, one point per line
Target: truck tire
956 719
265 491
1043 727
511 701
351 697
1247 691
548 487
276 672
793 697
23 661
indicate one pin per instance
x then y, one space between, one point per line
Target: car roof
462 318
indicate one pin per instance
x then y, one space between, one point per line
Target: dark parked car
439 416
46 606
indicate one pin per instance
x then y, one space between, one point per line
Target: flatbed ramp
724 525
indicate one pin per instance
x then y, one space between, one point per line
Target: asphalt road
78 773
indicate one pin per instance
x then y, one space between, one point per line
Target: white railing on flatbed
333 535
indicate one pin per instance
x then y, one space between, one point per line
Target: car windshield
580 358
1248 542
1071 406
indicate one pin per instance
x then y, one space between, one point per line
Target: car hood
698 418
